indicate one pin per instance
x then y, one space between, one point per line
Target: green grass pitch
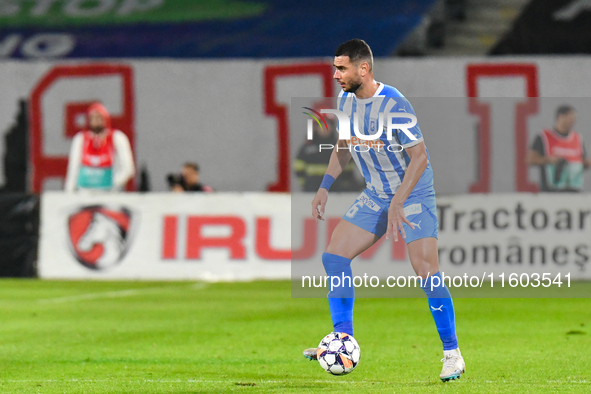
182 337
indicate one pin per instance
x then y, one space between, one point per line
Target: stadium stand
461 27
215 29
544 27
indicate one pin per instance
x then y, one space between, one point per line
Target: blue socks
442 309
341 295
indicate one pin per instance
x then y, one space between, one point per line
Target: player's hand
318 204
396 218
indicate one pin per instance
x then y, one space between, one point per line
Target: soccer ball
338 353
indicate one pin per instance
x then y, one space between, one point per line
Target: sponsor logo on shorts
368 202
413 209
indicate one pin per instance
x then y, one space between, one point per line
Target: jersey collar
376 94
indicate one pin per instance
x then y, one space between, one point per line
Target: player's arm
535 159
586 160
418 163
535 155
126 169
338 161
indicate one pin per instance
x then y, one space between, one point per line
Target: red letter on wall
530 106
266 251
196 241
263 242
308 248
169 237
279 111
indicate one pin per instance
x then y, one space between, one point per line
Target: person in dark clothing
311 163
188 180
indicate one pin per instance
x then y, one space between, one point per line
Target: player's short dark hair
564 110
193 165
357 50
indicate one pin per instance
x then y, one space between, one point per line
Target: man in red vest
561 155
100 157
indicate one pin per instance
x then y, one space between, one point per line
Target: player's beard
353 87
97 129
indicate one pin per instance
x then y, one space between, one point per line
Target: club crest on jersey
372 125
99 236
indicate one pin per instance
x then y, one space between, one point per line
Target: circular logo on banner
99 235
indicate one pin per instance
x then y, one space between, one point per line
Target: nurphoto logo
360 140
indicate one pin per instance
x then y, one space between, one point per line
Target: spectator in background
187 180
100 157
560 153
311 163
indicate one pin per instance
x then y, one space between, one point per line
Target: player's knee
424 270
337 247
341 248
335 263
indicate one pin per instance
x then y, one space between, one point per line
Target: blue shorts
371 213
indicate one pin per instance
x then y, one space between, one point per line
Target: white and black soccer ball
338 353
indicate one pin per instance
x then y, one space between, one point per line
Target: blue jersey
383 162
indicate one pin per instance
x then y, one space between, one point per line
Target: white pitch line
93 296
243 382
112 294
178 381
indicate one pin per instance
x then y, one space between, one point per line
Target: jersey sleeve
126 168
339 104
74 161
408 136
